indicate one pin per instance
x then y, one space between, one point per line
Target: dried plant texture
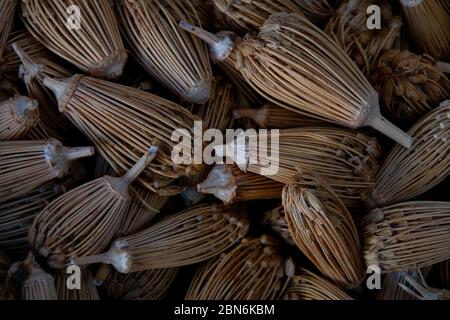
87 289
96 47
419 289
347 160
252 270
174 57
409 85
323 229
143 285
407 173
348 27
408 235
189 237
122 122
276 220
390 286
445 4
7 12
84 220
25 165
271 116
17 116
308 286
248 15
428 24
228 183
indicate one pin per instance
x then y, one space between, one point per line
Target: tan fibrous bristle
407 173
306 285
7 12
25 165
410 85
86 291
390 289
276 220
17 116
252 270
323 229
408 235
96 47
177 59
349 28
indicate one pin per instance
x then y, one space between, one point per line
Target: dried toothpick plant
349 28
408 235
17 116
306 285
87 290
84 220
410 85
252 270
95 46
294 64
228 183
390 286
323 229
407 173
420 290
275 219
428 24
194 235
169 54
7 13
25 165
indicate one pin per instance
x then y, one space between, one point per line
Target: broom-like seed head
391 286
7 12
87 289
17 116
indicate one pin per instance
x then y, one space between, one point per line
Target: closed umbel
17 116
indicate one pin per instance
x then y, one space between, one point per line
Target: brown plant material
409 85
87 290
407 173
122 122
25 165
96 47
174 57
228 183
420 290
194 235
323 229
84 220
348 27
17 116
7 12
306 285
428 25
408 235
390 286
276 220
252 270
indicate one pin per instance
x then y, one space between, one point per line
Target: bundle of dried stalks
323 229
122 122
7 12
408 235
345 159
17 116
271 116
349 28
294 64
84 220
143 285
390 286
87 290
407 173
445 4
174 57
27 281
252 270
420 290
229 184
306 285
189 237
276 220
25 165
409 85
95 47
428 24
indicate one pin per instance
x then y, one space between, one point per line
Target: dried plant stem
17 116
276 220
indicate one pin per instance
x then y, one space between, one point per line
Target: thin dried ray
17 116
390 289
87 290
7 12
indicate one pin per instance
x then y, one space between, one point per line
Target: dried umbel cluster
349 28
17 116
95 45
407 173
390 286
7 12
323 229
276 220
250 271
408 235
171 55
189 237
410 85
306 285
86 291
